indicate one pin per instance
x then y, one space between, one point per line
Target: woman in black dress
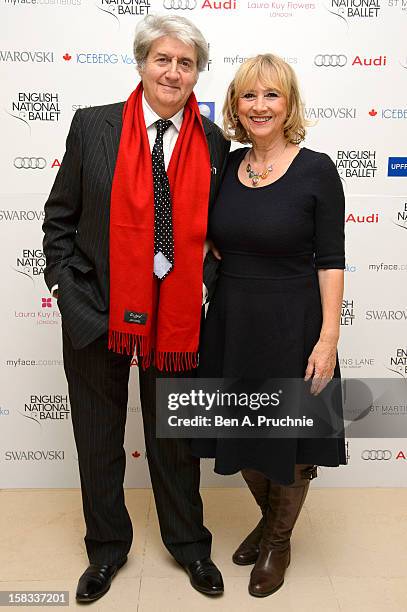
278 227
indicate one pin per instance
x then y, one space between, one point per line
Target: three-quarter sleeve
329 236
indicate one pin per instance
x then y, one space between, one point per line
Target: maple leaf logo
373 113
67 57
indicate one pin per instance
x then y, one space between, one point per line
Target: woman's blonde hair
274 73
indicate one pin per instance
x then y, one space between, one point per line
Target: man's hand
321 365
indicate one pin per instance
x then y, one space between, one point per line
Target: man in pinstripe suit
170 52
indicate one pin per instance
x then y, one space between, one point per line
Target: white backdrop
60 55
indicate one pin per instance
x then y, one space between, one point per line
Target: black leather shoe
96 581
205 576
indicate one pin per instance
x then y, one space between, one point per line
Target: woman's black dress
265 316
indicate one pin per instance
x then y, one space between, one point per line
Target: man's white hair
156 26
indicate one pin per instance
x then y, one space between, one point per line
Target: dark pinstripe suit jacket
76 226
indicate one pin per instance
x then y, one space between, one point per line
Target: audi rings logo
334 61
182 5
376 455
30 163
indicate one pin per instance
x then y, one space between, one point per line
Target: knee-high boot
285 503
248 551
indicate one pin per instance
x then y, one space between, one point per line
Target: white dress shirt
170 136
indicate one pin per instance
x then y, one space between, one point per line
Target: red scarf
159 320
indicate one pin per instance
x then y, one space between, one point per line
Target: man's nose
172 71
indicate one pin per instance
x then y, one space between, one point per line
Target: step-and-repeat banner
60 55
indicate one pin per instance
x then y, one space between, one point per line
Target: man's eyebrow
163 54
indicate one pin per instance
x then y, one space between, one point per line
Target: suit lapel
111 136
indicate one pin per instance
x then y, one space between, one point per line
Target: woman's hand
209 246
214 250
321 365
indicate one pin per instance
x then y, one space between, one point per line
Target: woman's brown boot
285 503
248 551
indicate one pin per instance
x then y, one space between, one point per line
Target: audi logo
376 455
30 163
335 61
183 5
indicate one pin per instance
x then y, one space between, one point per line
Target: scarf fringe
144 356
175 361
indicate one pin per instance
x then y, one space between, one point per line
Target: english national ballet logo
31 107
44 408
400 216
348 312
119 9
29 263
397 362
347 10
356 163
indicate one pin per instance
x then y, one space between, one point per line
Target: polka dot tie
163 235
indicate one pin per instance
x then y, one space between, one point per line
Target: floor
349 552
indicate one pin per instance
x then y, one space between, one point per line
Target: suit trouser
98 391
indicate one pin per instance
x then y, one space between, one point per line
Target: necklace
256 177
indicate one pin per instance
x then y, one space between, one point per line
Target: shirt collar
150 116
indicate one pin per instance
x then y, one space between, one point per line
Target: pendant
255 178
